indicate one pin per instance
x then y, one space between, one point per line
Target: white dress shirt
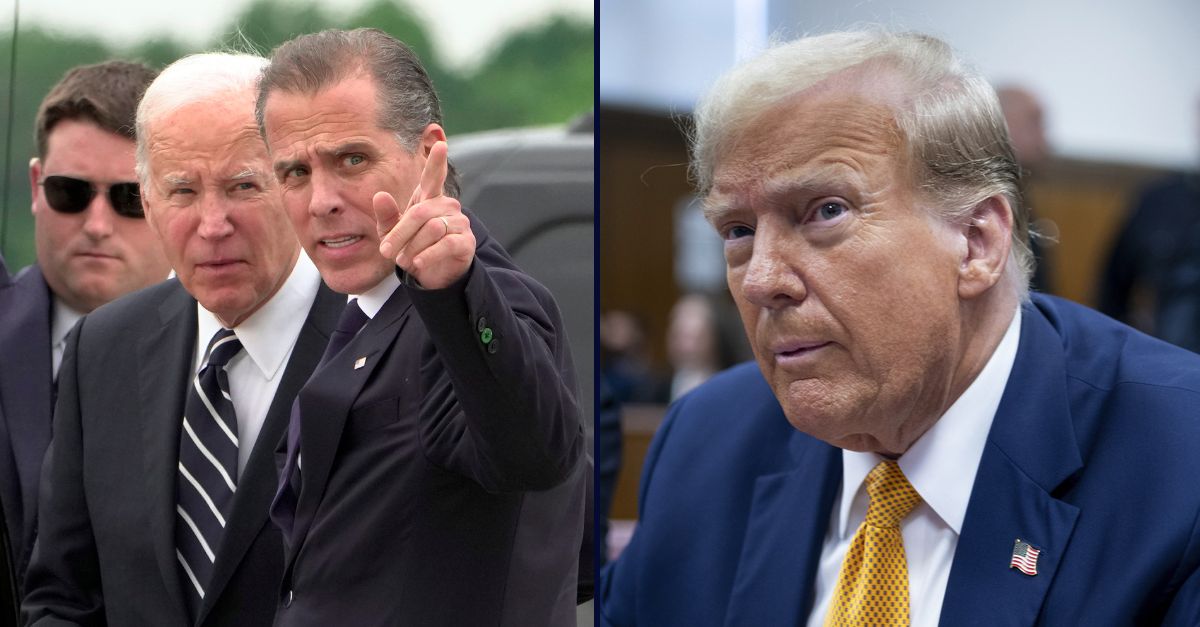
941 466
60 324
268 337
372 300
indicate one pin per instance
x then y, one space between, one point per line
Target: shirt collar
942 463
64 319
372 300
260 333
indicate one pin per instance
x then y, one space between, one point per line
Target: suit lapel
1030 451
26 390
325 404
782 547
257 485
164 365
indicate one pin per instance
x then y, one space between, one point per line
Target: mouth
92 254
219 264
340 242
797 349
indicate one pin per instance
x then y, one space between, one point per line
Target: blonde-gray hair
951 125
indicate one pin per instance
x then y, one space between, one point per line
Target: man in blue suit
93 245
1026 461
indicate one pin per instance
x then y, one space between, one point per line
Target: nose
99 217
214 218
324 194
772 276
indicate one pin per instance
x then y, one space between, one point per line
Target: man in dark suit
93 245
9 602
435 469
157 485
921 442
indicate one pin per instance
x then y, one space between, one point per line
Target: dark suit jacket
26 377
106 548
8 575
1156 255
1091 458
442 478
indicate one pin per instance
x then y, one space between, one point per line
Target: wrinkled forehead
841 122
347 106
230 149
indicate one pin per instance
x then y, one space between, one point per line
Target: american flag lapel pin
360 362
1024 557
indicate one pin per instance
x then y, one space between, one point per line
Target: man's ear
146 208
35 174
430 136
989 240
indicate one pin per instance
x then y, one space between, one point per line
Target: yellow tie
872 587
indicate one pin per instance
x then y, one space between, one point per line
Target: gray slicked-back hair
195 78
407 101
951 126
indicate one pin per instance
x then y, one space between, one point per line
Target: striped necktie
872 587
207 473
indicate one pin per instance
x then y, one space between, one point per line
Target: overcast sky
463 29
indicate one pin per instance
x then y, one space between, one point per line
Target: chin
349 282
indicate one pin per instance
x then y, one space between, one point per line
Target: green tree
540 75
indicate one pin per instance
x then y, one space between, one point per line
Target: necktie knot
352 318
348 325
224 345
892 496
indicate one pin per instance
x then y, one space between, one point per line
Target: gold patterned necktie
872 587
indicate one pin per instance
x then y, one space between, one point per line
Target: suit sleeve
63 582
500 398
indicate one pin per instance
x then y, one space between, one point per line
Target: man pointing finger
435 468
432 235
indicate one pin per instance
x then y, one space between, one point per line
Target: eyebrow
176 179
246 173
284 165
816 180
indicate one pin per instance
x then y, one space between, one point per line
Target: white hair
205 77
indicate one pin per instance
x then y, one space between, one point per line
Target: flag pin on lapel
360 362
1024 557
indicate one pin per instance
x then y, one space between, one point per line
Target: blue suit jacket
26 377
1091 457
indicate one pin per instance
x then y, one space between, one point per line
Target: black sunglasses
65 194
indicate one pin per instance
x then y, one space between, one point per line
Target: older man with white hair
155 493
921 442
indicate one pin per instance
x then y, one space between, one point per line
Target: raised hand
431 239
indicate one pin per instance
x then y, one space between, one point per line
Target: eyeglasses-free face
67 194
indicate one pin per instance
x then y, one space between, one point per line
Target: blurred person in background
623 359
697 346
93 245
1026 120
1152 276
608 463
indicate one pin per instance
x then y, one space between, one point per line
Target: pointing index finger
433 177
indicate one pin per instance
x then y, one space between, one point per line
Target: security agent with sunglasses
92 246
